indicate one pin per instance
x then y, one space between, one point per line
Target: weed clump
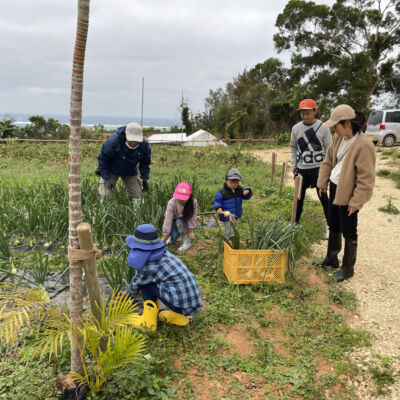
389 208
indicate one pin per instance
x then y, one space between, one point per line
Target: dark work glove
145 185
97 172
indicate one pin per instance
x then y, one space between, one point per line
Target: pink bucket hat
182 191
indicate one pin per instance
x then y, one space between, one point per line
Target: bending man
120 156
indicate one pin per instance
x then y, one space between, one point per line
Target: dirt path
376 281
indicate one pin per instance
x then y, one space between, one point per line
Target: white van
384 127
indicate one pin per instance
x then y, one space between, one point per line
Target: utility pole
141 119
181 113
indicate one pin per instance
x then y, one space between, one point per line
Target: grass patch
394 175
383 375
389 208
393 153
383 172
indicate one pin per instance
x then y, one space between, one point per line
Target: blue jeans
178 226
151 292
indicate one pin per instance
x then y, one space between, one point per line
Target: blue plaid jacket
176 284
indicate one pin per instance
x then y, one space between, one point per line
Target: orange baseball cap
307 104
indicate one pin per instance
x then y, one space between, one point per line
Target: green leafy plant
114 270
389 208
283 138
40 268
383 376
276 235
269 235
234 240
383 172
31 212
18 306
5 251
105 346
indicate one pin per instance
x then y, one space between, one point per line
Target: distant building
203 138
167 138
200 138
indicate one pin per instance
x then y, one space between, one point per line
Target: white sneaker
169 241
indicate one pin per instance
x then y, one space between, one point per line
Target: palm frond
125 347
78 378
119 312
58 327
18 306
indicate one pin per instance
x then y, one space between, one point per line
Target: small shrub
382 378
283 138
383 172
389 208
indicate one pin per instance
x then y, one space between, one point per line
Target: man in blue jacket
120 156
228 200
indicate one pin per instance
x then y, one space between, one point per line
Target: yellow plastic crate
254 266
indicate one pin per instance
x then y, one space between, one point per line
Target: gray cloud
190 46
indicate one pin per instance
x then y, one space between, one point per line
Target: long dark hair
358 123
188 209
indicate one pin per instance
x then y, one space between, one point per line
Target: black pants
338 218
310 177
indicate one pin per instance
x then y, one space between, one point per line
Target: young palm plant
106 345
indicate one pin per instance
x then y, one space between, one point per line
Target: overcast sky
177 45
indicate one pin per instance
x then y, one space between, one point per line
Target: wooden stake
300 186
283 174
274 157
296 194
91 273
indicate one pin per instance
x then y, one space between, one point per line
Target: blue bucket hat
145 237
145 245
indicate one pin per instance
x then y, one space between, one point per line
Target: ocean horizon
109 123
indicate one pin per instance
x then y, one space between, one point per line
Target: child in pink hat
180 216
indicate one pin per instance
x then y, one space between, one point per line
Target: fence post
296 194
283 174
91 273
274 157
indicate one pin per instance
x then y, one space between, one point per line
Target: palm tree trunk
74 203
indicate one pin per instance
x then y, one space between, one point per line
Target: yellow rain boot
148 320
174 318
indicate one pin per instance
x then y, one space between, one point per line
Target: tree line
41 128
344 53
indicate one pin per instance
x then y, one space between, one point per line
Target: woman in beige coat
348 171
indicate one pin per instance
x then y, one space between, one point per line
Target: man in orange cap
309 142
